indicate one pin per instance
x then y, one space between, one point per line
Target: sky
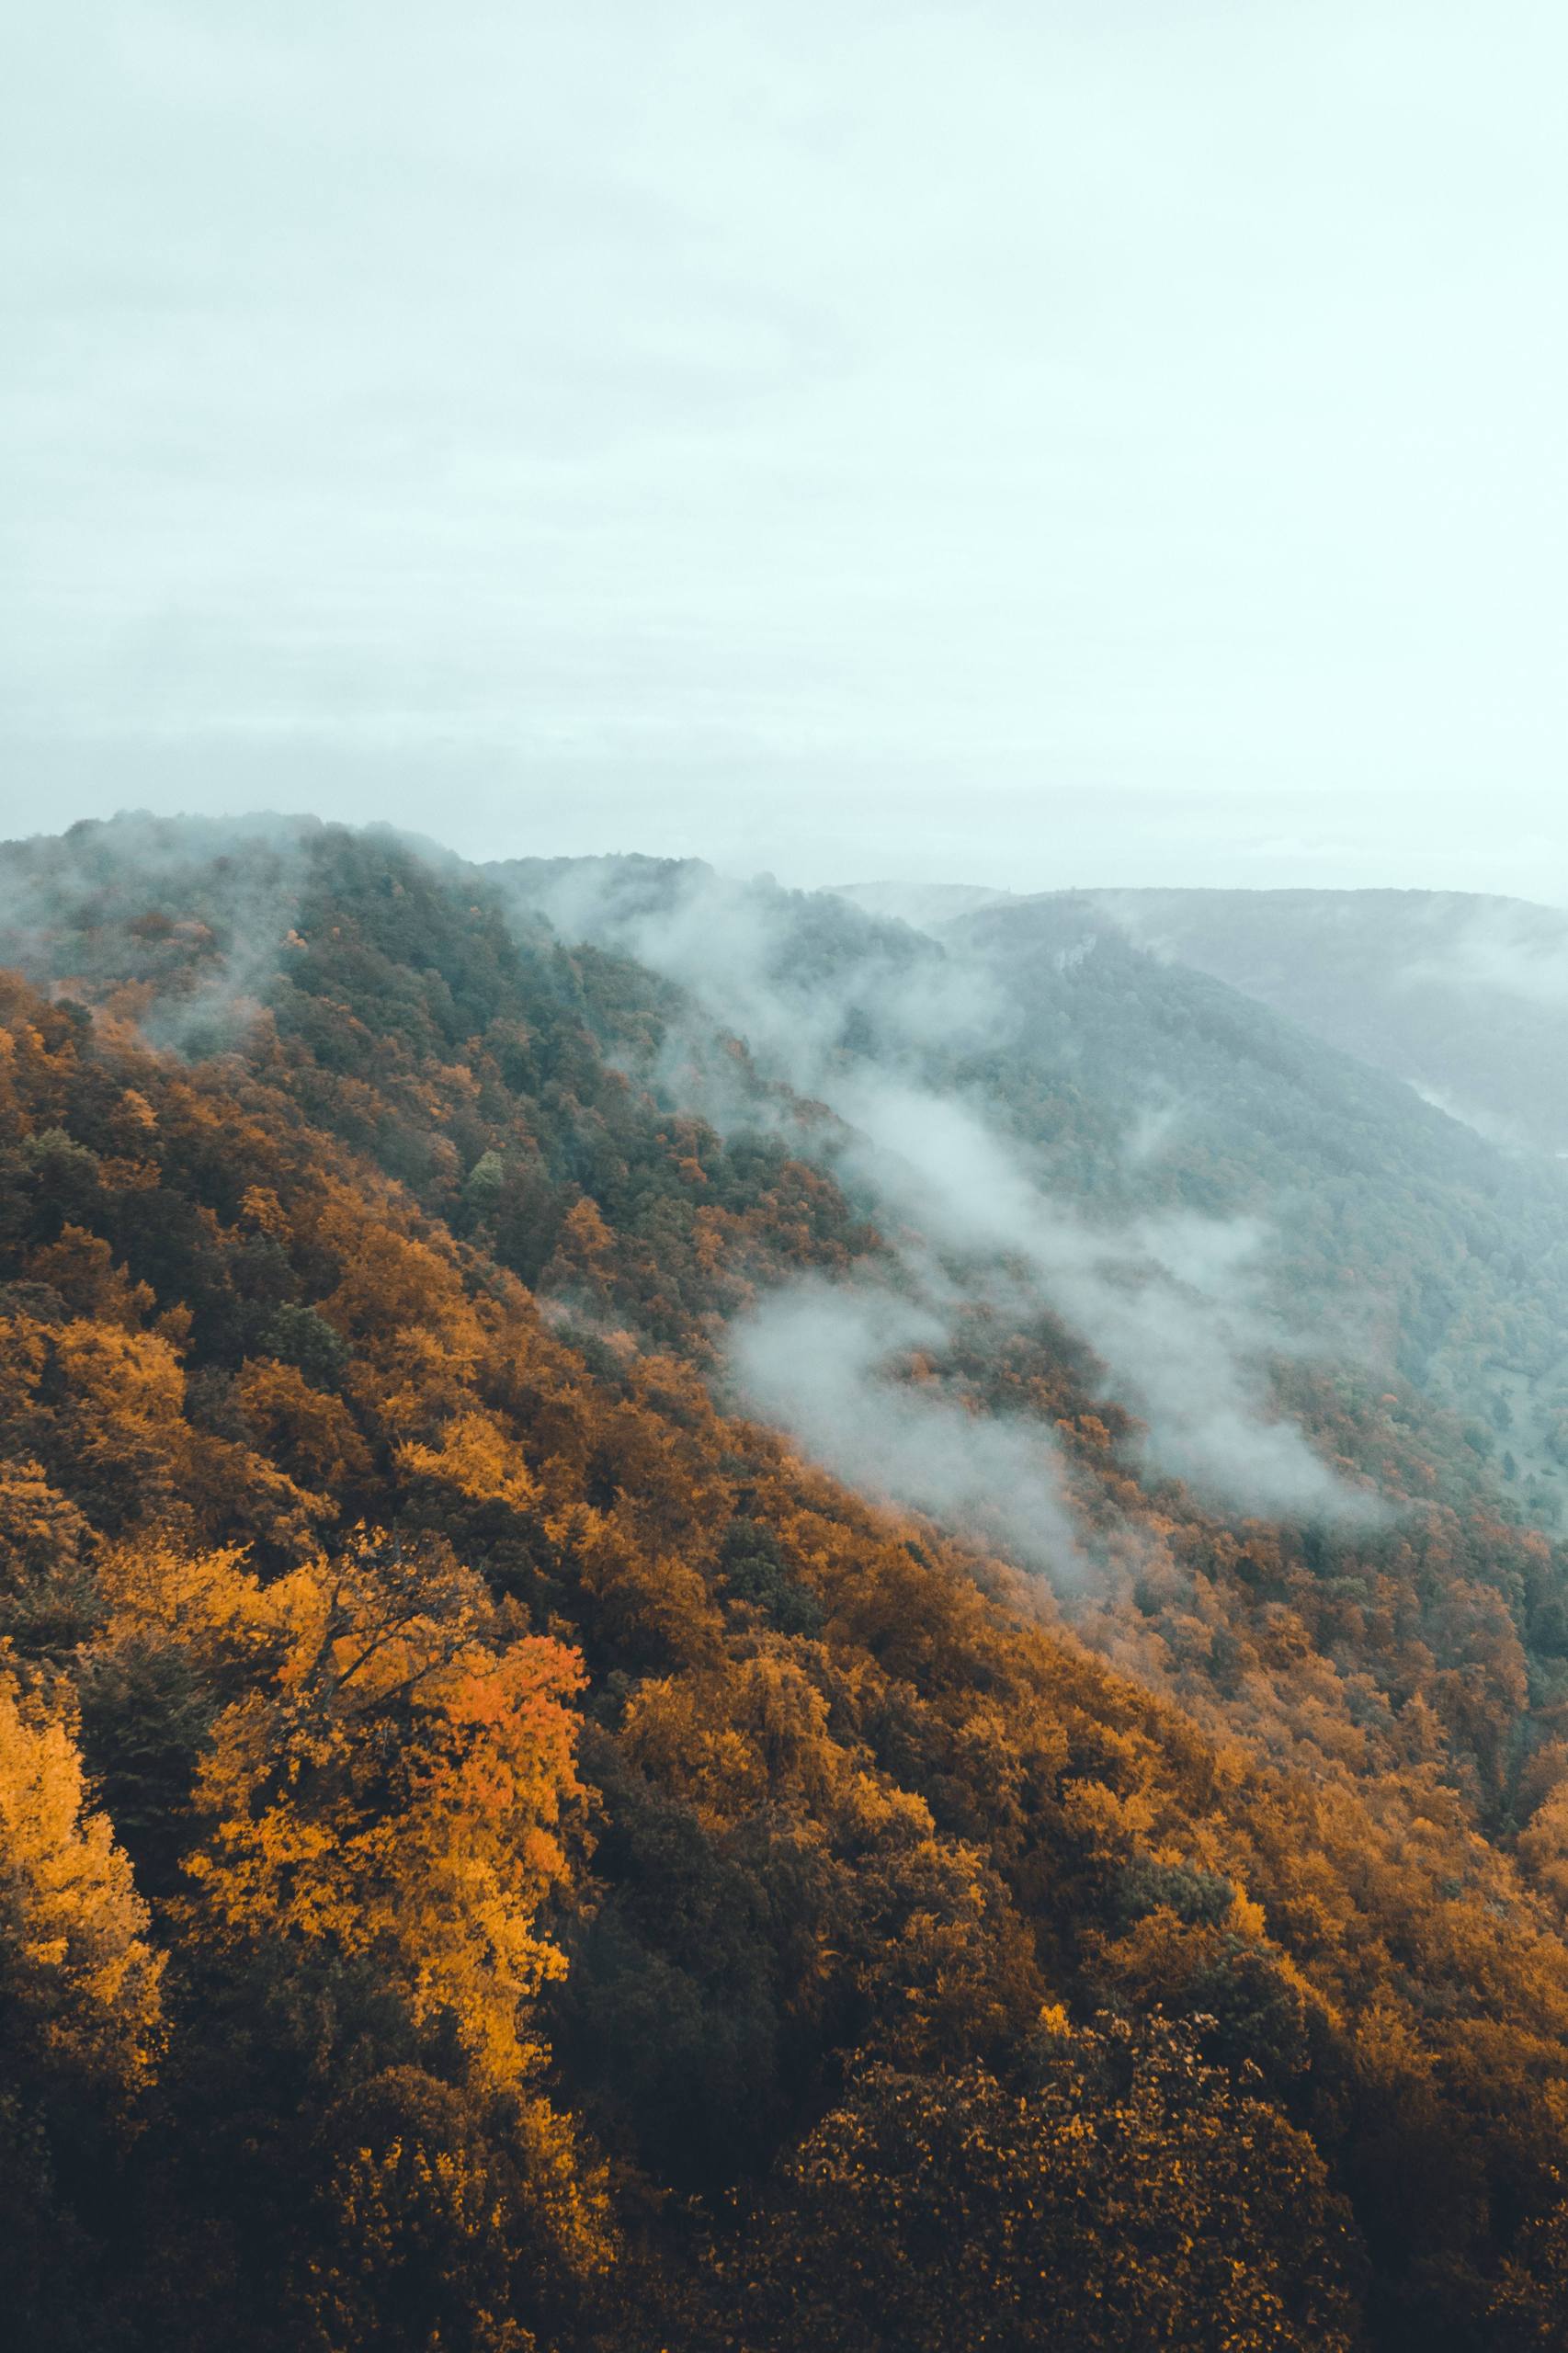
1028 442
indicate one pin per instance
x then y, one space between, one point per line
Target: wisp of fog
860 1016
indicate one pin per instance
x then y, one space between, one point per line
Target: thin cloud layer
1173 1307
823 1364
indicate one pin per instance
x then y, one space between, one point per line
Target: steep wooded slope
1463 996
499 1851
1396 1247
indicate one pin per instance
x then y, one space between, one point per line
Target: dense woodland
1458 993
1456 1253
1406 1249
497 1852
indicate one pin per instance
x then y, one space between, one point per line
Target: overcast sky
1025 441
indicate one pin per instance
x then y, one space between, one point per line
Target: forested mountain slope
1385 1241
1454 1252
1464 997
499 1850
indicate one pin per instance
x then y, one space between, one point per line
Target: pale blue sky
1099 442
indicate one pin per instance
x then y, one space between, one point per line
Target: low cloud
1503 947
861 1016
830 1366
1173 1306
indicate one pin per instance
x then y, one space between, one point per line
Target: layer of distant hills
1464 997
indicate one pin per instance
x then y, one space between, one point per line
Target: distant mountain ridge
921 903
1463 997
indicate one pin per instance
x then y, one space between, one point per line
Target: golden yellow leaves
76 1967
477 1457
81 1268
313 1434
398 1789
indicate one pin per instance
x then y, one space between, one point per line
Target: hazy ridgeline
735 1624
1463 997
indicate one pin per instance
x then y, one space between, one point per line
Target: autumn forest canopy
734 1626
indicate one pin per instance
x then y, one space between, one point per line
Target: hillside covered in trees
1462 994
1386 1241
502 1848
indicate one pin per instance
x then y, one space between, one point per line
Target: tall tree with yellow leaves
81 2024
397 1791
